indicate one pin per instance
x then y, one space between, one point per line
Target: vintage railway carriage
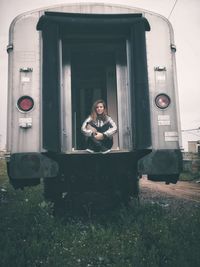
63 58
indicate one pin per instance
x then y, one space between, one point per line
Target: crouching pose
99 129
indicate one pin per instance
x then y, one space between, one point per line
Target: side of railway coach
62 59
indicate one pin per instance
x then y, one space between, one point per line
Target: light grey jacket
99 125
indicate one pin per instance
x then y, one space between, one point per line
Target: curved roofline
141 10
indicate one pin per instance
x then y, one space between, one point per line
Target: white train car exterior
63 58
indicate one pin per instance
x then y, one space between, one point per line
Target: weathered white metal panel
159 54
25 54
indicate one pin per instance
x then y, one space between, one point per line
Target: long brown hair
94 113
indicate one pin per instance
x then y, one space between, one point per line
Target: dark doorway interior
89 83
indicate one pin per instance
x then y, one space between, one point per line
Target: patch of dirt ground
165 195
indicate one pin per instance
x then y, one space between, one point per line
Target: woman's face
99 108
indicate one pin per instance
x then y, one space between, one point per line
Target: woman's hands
98 136
89 127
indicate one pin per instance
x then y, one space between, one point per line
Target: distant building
194 146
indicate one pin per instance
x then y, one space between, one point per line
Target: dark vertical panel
50 88
140 88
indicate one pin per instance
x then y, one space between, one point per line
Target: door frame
120 112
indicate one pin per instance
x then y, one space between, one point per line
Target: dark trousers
100 145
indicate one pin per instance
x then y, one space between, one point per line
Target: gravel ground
183 195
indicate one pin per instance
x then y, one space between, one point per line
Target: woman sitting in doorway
99 129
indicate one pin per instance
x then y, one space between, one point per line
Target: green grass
142 235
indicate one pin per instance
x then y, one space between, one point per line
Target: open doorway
94 69
90 74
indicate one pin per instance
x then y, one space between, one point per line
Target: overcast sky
185 19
